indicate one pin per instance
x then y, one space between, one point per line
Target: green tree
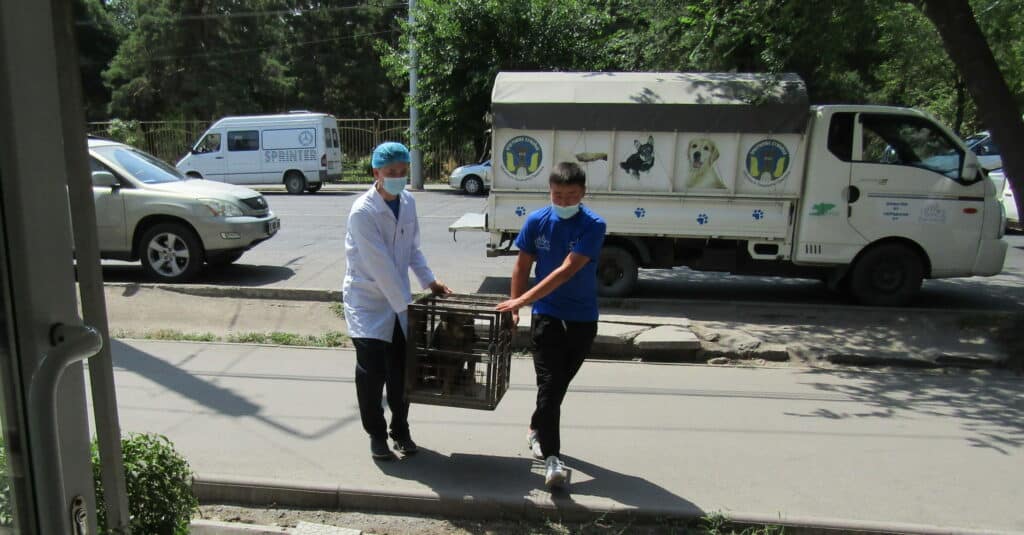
998 108
462 45
97 36
331 55
199 59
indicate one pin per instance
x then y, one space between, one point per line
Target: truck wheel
194 174
171 252
887 275
616 272
473 185
294 182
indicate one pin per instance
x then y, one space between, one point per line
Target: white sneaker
534 445
556 474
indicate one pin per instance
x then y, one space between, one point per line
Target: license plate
273 226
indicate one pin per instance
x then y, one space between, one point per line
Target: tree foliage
200 59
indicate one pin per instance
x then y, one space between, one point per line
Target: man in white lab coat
381 245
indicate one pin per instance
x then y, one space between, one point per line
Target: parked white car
987 151
146 210
1004 192
474 179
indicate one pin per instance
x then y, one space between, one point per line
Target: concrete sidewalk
906 451
647 329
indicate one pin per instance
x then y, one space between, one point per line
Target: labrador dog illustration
703 154
642 159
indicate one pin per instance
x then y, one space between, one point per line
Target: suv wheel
171 252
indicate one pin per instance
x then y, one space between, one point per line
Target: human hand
440 288
511 305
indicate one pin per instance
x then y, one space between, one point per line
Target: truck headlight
220 208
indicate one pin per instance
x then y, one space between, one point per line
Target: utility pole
416 165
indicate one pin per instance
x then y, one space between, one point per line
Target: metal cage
459 351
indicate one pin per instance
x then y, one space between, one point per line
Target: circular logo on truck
522 157
305 138
768 162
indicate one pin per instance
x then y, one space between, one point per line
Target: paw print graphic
640 213
703 219
520 211
758 215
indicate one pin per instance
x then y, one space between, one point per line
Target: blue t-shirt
550 239
394 205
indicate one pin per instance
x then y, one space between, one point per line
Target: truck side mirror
971 169
103 179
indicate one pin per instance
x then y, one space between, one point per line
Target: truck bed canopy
648 101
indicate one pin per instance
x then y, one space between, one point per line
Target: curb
240 292
279 493
625 304
214 527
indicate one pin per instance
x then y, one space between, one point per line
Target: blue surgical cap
389 152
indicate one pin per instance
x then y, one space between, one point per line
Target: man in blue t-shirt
564 239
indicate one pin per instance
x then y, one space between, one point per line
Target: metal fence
171 140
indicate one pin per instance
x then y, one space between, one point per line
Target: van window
244 140
337 138
903 140
209 143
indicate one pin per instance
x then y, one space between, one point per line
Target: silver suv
146 210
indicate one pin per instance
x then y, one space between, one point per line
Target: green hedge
159 482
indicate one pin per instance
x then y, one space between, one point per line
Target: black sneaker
404 445
379 449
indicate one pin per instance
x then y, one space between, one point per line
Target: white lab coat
379 253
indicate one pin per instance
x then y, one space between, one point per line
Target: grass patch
327 339
338 309
718 524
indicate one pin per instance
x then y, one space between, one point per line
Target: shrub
159 482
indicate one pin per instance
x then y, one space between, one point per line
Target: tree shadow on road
989 406
475 483
223 401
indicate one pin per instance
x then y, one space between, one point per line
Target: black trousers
379 363
560 349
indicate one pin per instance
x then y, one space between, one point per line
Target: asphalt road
308 252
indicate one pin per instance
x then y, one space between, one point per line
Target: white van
301 150
738 173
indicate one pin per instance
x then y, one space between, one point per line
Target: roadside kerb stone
246 493
214 527
240 292
616 339
667 343
309 528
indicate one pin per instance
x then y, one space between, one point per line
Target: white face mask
394 186
565 212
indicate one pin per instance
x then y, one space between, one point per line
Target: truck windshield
143 167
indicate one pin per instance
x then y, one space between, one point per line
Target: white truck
738 173
301 150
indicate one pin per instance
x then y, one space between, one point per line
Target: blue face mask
394 186
565 212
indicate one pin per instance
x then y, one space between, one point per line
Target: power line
171 57
265 13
